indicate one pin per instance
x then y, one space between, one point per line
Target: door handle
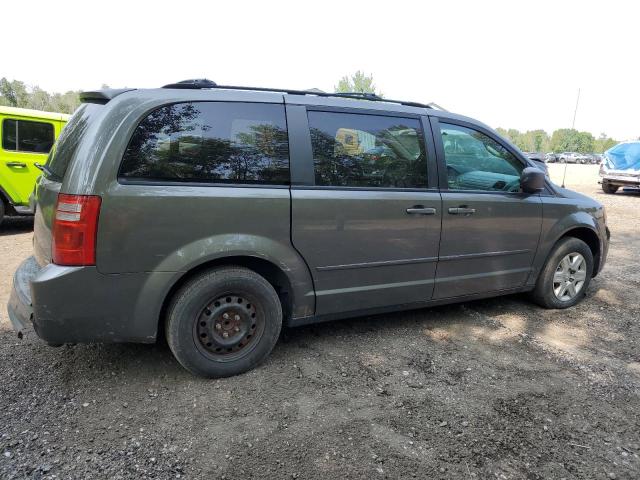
462 211
16 164
420 210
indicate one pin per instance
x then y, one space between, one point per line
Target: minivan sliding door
364 215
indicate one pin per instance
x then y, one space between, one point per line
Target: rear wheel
2 210
608 188
223 322
565 277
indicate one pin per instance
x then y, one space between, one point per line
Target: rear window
27 136
65 148
210 142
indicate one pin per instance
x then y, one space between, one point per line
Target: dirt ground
496 388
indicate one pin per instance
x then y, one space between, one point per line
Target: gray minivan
217 214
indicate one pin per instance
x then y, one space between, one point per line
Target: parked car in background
569 157
27 136
620 167
550 157
584 158
219 214
539 160
596 158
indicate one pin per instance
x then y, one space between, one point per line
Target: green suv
218 214
27 137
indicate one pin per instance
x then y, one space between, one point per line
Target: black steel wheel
223 322
228 327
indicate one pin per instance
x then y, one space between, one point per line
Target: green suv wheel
223 322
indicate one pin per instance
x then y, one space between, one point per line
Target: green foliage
562 140
603 143
571 140
529 141
16 94
358 82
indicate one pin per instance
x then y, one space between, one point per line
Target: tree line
561 140
15 93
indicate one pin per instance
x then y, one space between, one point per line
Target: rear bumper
19 307
80 304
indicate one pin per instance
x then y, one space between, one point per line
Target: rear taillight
75 226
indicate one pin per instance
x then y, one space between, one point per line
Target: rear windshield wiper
50 173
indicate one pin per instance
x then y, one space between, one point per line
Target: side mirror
532 180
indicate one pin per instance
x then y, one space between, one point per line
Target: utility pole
573 126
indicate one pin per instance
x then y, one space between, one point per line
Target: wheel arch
274 274
591 238
580 225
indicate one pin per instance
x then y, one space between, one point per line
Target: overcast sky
512 64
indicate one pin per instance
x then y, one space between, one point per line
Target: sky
511 64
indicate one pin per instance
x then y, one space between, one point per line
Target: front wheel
1 210
223 322
565 277
608 188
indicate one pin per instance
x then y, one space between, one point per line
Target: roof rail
205 83
193 83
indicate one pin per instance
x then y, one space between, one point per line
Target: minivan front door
490 230
365 219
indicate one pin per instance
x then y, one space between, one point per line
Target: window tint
477 162
210 142
27 136
353 150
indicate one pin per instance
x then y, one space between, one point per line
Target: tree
358 82
603 143
13 93
536 141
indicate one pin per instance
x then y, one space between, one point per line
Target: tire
2 210
608 188
232 301
545 294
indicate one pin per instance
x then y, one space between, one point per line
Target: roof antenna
573 126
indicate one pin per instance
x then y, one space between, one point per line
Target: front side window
212 142
477 162
27 136
354 150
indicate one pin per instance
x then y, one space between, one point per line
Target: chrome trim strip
483 275
378 286
385 263
467 256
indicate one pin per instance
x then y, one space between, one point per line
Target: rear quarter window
70 137
210 142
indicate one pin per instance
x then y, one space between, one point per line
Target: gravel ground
496 388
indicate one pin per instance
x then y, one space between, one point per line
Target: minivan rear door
366 212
